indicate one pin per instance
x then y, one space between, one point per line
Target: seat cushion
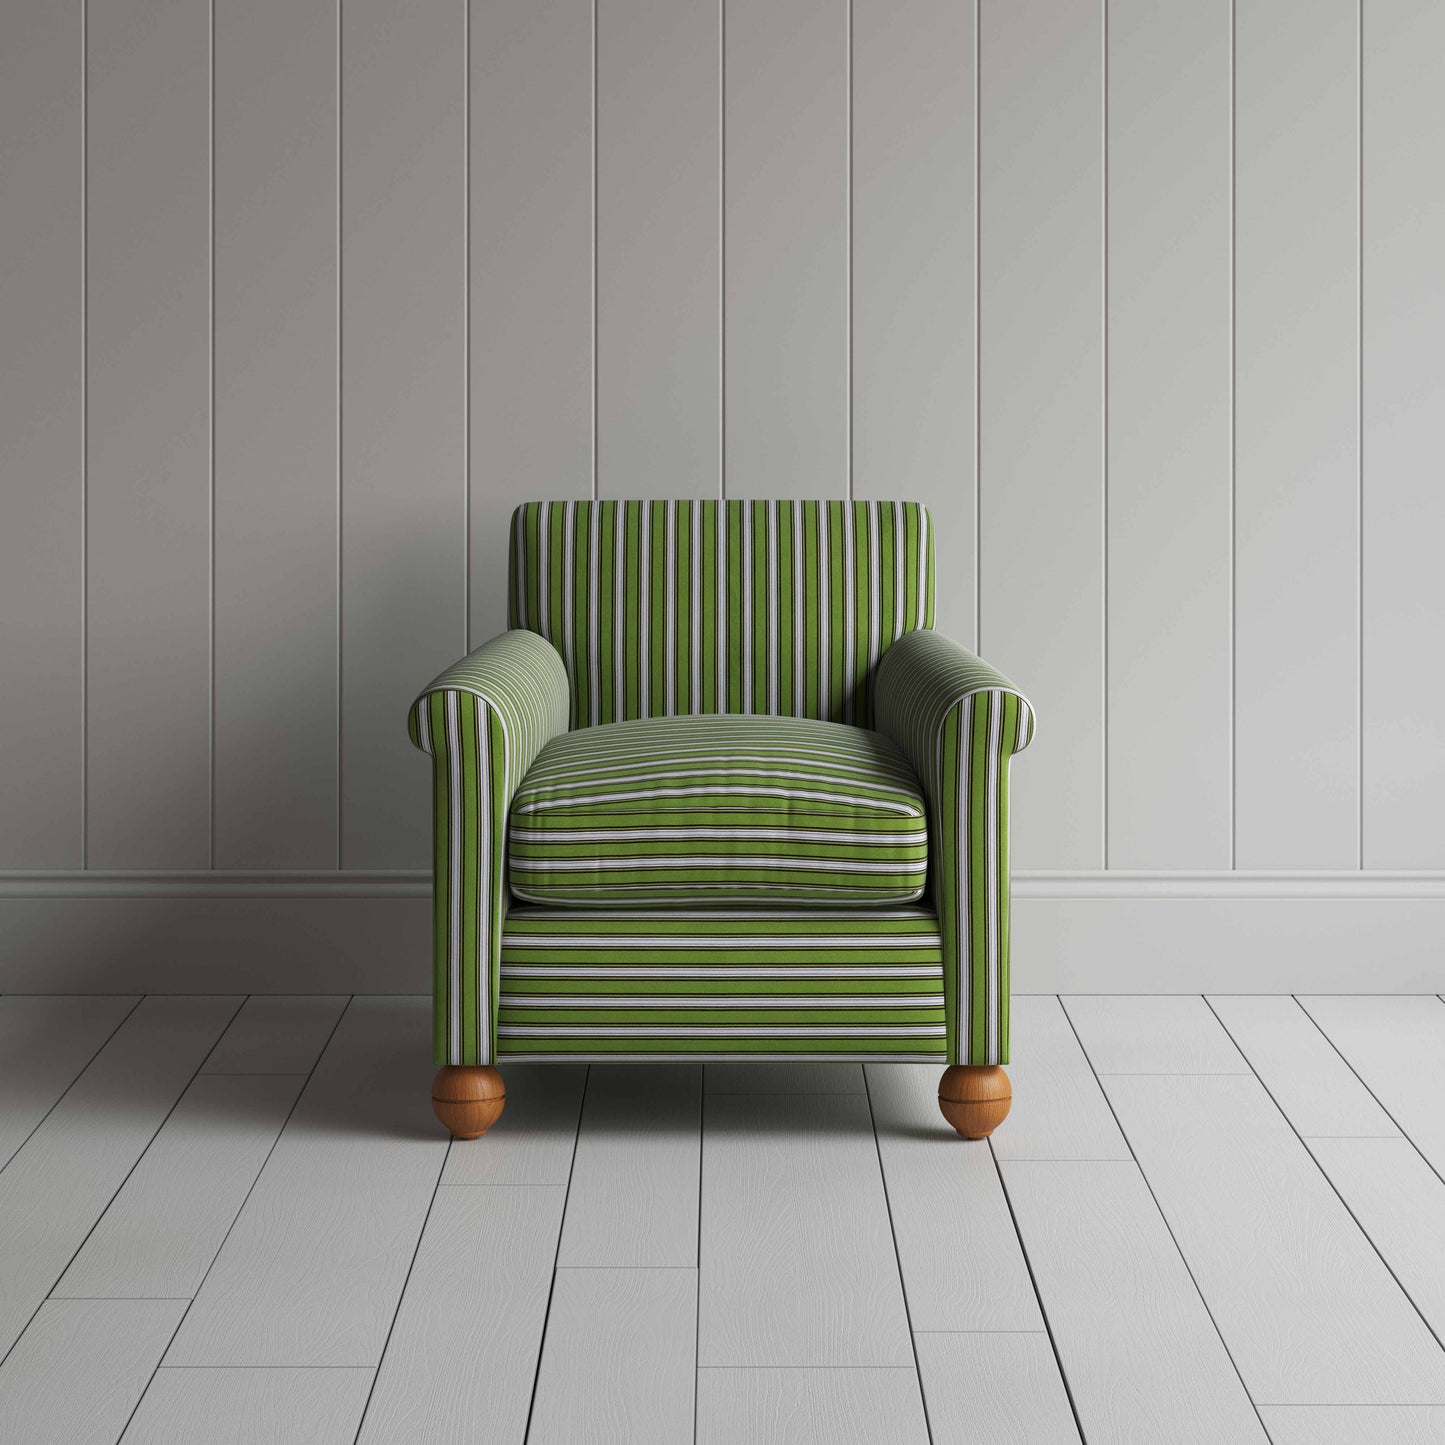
718 809
722 984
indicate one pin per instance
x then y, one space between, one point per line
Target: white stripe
565 971
703 1031
733 1001
454 876
705 1056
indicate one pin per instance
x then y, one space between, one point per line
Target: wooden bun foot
974 1098
468 1098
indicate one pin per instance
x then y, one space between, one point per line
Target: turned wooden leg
468 1098
975 1098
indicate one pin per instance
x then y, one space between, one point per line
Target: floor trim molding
1073 932
416 883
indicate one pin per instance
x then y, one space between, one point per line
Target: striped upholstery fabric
664 608
722 984
646 610
483 721
729 810
960 721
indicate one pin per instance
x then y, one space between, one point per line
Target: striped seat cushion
722 984
718 810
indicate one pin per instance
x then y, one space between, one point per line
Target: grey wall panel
1296 434
275 433
403 406
913 276
1041 268
42 452
785 248
1168 418
148 434
659 239
1403 227
530 274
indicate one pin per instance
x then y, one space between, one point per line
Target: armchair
721 792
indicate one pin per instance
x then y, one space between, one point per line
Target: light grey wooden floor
234 1220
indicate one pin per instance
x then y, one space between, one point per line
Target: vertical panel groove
848 206
340 442
467 323
211 447
84 434
1104 433
1233 468
721 255
595 471
1360 428
977 341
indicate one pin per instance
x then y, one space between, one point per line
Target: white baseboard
1073 932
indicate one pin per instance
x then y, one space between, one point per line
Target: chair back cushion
666 608
777 811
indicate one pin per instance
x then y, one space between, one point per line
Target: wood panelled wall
1143 297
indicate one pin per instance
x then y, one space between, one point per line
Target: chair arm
959 721
482 721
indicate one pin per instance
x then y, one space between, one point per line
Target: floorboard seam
120 1024
1189 1269
556 1255
897 1258
320 1054
1038 1293
1404 1134
1325 1175
401 1293
94 1224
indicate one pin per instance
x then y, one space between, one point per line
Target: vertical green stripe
710 618
468 742
762 613
442 1000
977 712
735 522
785 663
657 660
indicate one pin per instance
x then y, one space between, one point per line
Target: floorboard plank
44 1043
1355 1424
1143 1360
1309 1313
1152 1034
1059 1110
163 1229
620 1361
77 1372
1397 1046
634 1194
1002 1388
784 1076
962 1265
798 1264
276 1034
314 1265
809 1407
533 1141
250 1407
1399 1202
63 1177
1313 1086
462 1358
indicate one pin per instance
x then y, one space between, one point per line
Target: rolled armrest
959 721
482 721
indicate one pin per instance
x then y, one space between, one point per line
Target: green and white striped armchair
721 792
